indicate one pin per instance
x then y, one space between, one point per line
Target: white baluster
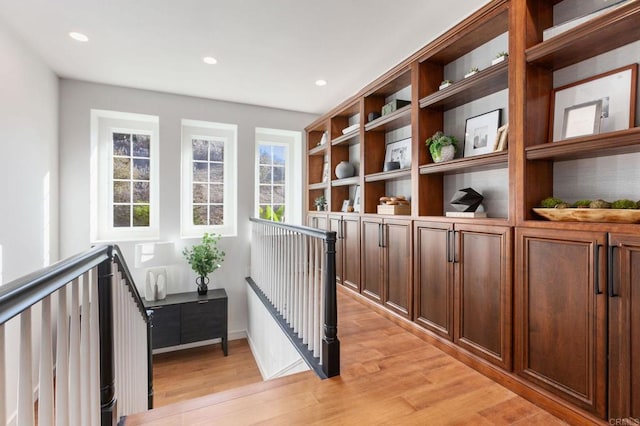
25 381
94 350
62 360
74 356
85 391
45 393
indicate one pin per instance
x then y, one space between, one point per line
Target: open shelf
392 121
355 180
392 175
319 185
594 37
485 82
494 160
603 144
318 150
350 138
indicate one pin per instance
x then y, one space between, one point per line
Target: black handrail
22 293
122 267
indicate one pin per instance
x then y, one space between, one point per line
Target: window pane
121 144
200 149
279 155
278 175
265 154
121 216
264 211
200 193
216 172
141 169
216 216
141 215
200 215
122 168
200 172
121 192
217 151
265 174
141 192
278 194
141 145
278 213
216 192
265 193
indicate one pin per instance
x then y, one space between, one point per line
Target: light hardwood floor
389 376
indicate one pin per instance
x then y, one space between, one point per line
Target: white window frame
293 170
103 124
228 134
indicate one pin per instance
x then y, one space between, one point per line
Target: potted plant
320 203
471 72
442 147
445 84
501 56
204 259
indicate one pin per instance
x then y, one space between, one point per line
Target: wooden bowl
590 215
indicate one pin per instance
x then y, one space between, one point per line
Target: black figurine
466 200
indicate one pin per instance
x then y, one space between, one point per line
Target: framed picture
345 205
399 151
480 133
356 200
325 172
582 120
615 89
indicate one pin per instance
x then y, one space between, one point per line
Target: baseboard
511 381
232 335
254 352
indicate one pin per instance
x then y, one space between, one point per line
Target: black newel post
330 342
149 360
107 371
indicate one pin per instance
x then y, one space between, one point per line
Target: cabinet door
624 327
397 250
482 258
351 252
371 247
433 277
335 225
203 320
560 314
165 330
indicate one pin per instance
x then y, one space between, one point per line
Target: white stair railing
293 272
73 382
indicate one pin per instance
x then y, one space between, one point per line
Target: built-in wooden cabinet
347 229
463 286
387 262
624 326
540 311
561 314
317 220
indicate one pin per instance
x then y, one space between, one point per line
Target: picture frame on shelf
582 120
480 133
325 172
356 199
616 89
345 205
399 151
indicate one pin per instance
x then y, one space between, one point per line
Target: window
209 199
124 195
278 177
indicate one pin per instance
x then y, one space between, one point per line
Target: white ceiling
270 52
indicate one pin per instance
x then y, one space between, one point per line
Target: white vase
345 169
446 153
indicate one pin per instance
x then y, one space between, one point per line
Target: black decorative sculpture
466 200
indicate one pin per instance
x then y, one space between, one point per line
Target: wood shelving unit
391 121
490 161
392 175
350 138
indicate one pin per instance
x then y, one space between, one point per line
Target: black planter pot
202 283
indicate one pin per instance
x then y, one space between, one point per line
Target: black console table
188 317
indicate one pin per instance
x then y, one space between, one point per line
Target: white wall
78 98
28 173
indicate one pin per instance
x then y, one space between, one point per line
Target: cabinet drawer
166 326
203 320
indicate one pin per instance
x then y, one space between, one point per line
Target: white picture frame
582 120
617 91
356 199
480 133
399 151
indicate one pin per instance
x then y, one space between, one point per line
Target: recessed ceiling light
78 37
321 82
209 60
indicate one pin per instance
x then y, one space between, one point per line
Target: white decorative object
154 257
351 128
156 284
444 84
447 153
499 59
471 72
